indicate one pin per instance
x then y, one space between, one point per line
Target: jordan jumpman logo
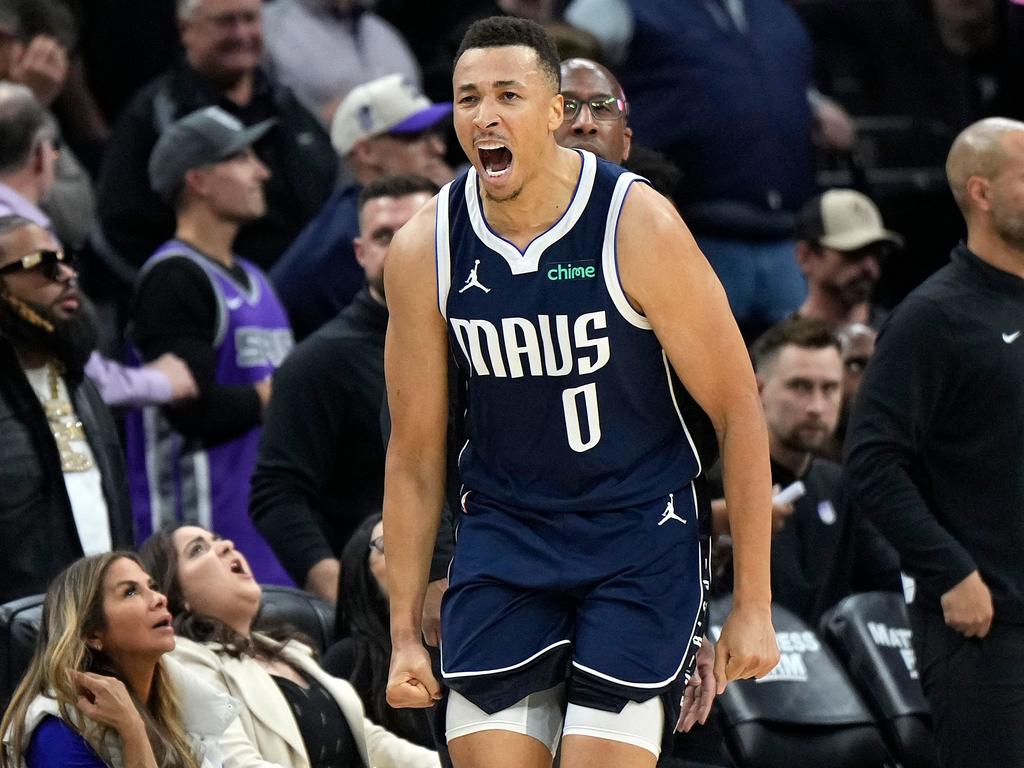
473 281
670 511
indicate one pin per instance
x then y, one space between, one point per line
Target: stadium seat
307 613
870 633
19 625
805 712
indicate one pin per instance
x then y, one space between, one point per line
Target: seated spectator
217 311
364 656
818 554
29 146
35 36
99 690
383 127
322 49
320 469
62 478
291 708
841 246
223 41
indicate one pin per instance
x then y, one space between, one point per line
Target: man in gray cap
383 127
217 311
841 245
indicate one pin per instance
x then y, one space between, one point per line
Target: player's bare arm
415 364
668 279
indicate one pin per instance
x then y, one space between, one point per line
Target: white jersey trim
522 663
610 258
679 412
524 262
442 250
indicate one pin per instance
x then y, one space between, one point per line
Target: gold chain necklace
65 425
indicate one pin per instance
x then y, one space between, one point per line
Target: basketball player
578 583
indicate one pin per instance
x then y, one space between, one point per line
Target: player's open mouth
495 158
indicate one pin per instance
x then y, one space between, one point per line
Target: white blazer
266 732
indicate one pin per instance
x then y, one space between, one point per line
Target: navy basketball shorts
612 603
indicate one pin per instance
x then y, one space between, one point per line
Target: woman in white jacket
99 690
293 713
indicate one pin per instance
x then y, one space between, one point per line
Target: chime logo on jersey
583 270
545 346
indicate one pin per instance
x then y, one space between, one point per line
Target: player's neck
544 198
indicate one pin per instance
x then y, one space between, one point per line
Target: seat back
19 626
804 712
870 633
307 613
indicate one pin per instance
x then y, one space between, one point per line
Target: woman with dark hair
99 690
363 657
293 713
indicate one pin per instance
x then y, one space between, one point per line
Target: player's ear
627 143
555 112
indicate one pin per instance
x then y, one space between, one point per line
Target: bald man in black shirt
935 455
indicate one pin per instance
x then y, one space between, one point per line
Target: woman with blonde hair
99 691
293 713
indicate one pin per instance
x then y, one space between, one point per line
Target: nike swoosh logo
1009 338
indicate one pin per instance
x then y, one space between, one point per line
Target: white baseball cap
843 219
389 104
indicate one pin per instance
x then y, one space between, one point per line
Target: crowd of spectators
189 188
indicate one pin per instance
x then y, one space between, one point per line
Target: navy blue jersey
572 405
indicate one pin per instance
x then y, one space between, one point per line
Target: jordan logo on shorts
473 281
670 511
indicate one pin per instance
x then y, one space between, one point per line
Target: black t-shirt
325 731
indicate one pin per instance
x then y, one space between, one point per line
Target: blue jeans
761 279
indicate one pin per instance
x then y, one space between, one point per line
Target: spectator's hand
967 607
322 579
432 612
411 682
780 512
41 65
746 646
264 390
700 689
106 700
183 386
834 128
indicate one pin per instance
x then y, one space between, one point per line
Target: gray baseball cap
206 136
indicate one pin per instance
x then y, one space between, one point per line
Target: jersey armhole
442 250
610 253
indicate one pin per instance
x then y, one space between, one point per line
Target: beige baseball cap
389 104
843 219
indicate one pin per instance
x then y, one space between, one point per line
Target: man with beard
321 462
216 310
841 246
29 153
799 372
61 470
935 455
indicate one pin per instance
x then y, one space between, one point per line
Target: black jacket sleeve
914 367
174 310
304 425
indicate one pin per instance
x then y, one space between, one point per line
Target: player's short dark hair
796 331
500 31
396 185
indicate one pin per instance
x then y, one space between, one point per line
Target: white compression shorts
540 716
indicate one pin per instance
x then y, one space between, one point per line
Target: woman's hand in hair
107 701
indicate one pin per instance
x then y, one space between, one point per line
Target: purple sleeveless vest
178 480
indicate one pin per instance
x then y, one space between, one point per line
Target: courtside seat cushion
307 613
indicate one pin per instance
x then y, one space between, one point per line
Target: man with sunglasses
62 481
841 245
28 170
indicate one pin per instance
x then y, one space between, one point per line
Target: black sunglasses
601 107
48 262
